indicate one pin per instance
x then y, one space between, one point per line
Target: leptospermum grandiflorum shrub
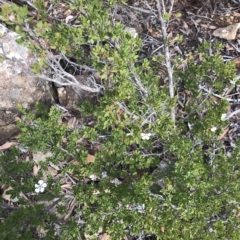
149 175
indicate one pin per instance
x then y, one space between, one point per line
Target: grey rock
18 85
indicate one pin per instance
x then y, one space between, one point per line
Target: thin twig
74 183
161 12
73 64
215 95
231 115
148 118
140 10
64 78
163 7
141 89
171 7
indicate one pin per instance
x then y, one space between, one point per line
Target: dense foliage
174 180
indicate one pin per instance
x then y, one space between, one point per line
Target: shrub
149 175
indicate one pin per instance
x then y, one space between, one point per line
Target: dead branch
161 12
141 10
63 78
230 115
230 100
148 117
137 82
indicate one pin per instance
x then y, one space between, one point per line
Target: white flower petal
96 192
44 185
42 189
146 136
15 199
131 31
36 186
40 182
104 174
93 177
116 181
223 117
213 129
37 190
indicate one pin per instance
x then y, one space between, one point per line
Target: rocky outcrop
18 85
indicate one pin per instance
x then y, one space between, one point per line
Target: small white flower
234 81
40 187
15 199
223 117
116 181
131 31
213 129
146 136
128 207
104 174
93 177
190 126
129 134
95 192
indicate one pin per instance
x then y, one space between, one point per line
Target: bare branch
163 7
231 114
77 66
171 7
147 118
63 78
125 109
140 10
216 95
141 89
161 12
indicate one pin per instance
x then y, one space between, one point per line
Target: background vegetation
153 174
